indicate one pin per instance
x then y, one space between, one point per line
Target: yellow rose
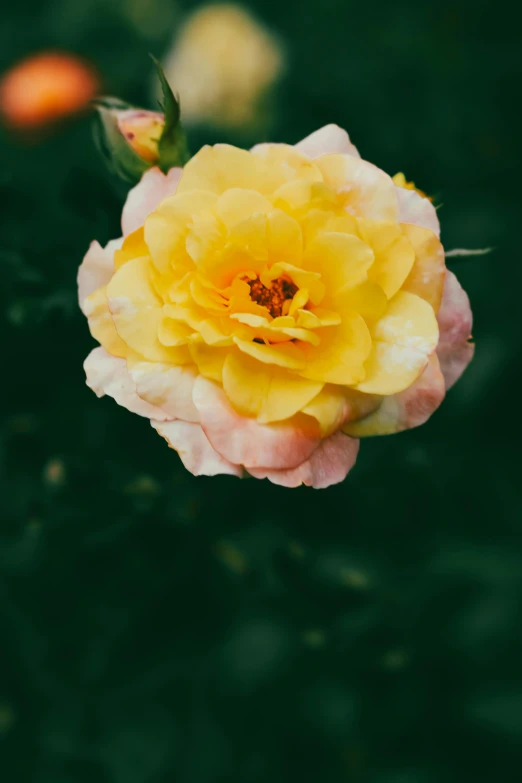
222 64
267 308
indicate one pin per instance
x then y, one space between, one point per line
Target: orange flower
44 88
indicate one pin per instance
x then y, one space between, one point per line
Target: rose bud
134 140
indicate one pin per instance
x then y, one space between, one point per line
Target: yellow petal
137 311
325 317
341 355
234 261
221 167
428 273
409 408
335 405
394 255
208 296
238 204
284 238
205 237
101 325
283 164
366 191
251 236
283 355
167 227
403 340
341 259
366 298
298 302
209 359
278 330
212 334
311 281
299 194
173 333
264 391
134 246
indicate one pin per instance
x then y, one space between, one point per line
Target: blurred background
157 628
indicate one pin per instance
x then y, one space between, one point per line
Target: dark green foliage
157 628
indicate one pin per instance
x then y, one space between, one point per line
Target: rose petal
108 374
143 199
403 340
366 190
417 209
426 278
167 387
195 451
410 408
243 441
455 322
326 140
329 464
96 268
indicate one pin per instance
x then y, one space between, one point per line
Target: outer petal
417 209
96 268
426 278
221 167
455 322
137 312
108 374
143 199
329 464
366 190
327 140
403 340
335 405
194 450
394 254
166 387
405 410
101 325
264 391
244 441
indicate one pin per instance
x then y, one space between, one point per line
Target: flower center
272 298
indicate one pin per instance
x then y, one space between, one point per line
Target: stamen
272 298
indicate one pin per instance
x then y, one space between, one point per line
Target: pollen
272 298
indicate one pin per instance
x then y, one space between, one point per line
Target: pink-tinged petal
143 199
327 140
195 451
107 374
168 387
243 441
329 464
96 268
410 408
417 209
455 323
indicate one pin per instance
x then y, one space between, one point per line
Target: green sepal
172 145
119 156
